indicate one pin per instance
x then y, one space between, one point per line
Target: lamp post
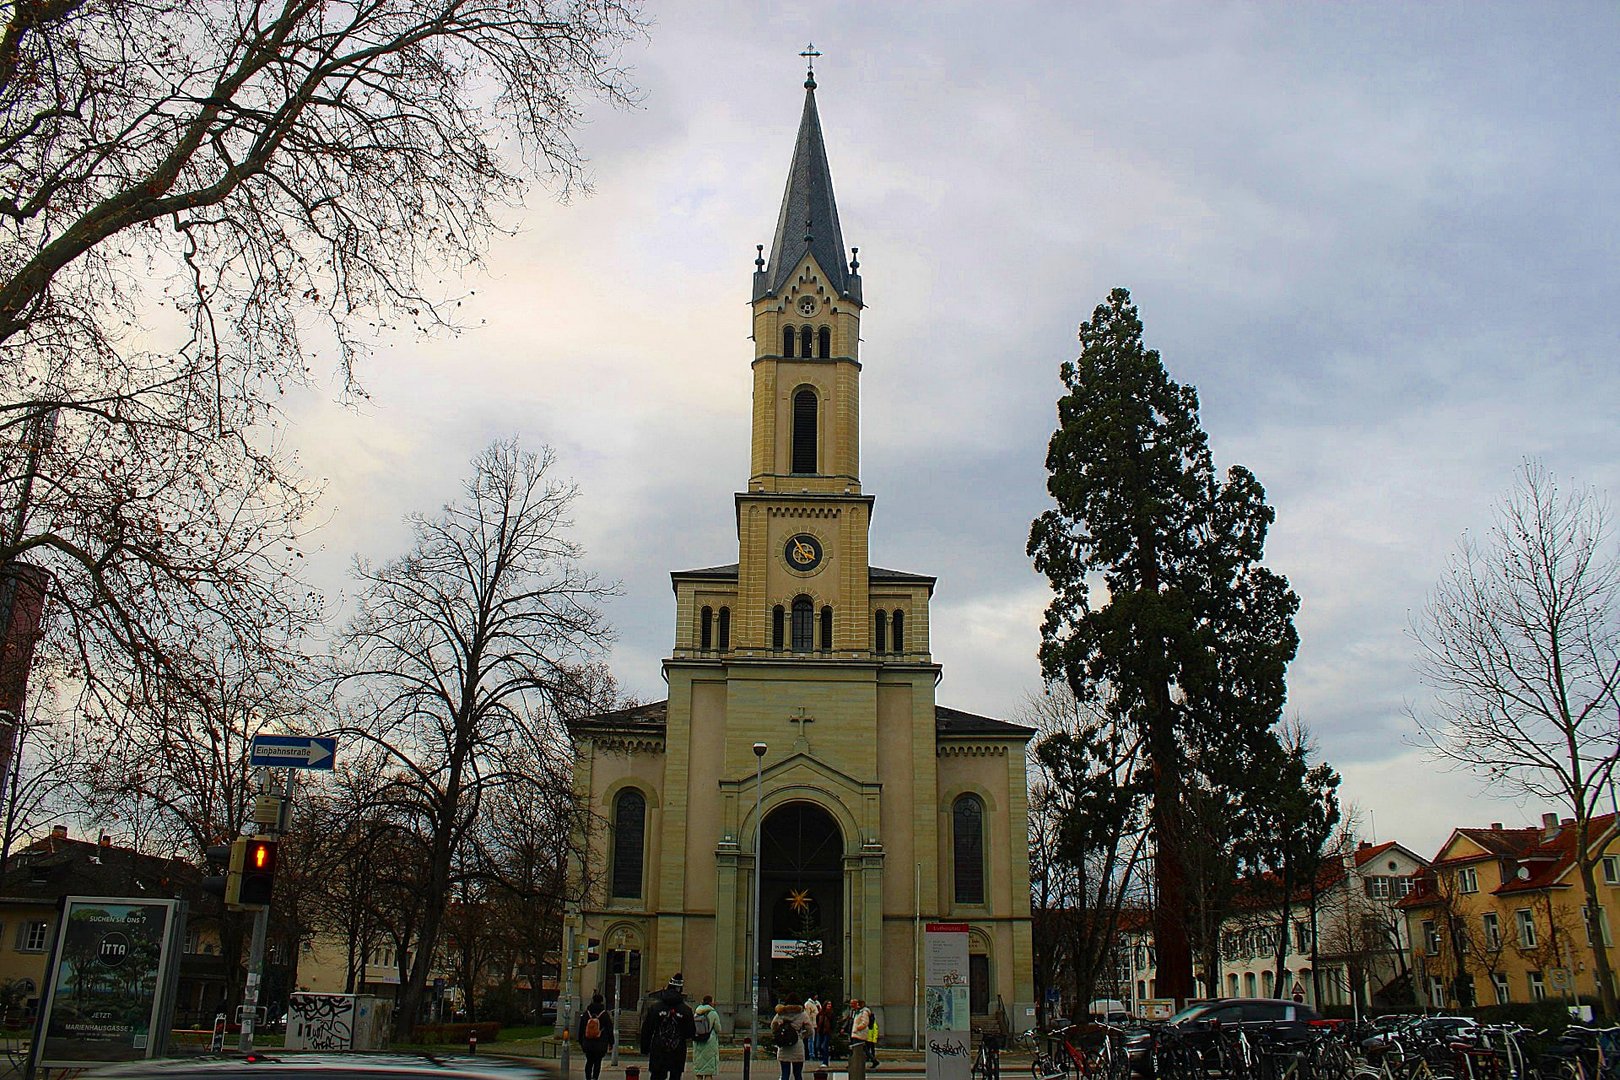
759 831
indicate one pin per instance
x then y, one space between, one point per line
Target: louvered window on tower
824 340
880 632
804 624
789 336
725 629
826 629
806 341
706 630
804 431
899 632
776 628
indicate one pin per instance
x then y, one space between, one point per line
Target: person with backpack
595 1035
789 1030
666 1031
706 1039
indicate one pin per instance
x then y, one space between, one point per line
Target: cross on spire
810 55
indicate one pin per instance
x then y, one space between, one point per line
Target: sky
1380 239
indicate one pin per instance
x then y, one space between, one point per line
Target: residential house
1500 916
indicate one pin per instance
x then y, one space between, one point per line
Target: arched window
826 629
629 837
789 336
967 843
725 629
776 627
824 341
706 629
804 620
899 631
806 341
804 431
880 632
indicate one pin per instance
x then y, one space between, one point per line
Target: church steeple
808 222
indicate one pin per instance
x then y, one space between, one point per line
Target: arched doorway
802 910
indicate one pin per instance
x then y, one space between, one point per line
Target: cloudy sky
1380 239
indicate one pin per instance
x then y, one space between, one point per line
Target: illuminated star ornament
799 900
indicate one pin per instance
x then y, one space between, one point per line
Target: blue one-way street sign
294 752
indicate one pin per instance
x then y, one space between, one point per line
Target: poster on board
110 982
947 1018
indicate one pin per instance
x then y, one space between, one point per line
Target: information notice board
947 1011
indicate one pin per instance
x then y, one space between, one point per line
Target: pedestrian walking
789 1031
824 1026
595 1035
863 1032
667 1031
706 1039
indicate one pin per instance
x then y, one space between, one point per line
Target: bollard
748 1056
472 1041
857 1060
821 1074
632 1072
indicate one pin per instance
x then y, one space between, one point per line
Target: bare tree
466 654
1521 642
198 197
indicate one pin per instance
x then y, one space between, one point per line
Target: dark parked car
1198 1023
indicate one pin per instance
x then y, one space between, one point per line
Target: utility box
338 1022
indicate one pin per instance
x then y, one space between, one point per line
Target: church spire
808 221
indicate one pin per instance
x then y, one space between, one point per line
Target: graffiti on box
320 1022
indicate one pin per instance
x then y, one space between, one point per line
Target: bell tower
802 524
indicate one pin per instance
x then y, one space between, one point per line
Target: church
801 746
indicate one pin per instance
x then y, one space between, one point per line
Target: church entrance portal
802 889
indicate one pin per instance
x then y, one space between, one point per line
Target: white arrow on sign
293 751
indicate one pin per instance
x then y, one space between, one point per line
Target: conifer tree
1189 637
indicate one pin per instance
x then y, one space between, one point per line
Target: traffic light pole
250 996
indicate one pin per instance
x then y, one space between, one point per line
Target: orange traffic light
258 873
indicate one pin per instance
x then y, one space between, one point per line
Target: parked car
1199 1022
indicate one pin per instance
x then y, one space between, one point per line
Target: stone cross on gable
800 717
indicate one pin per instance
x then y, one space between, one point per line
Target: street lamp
759 831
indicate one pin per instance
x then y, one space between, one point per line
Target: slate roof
652 718
57 866
808 210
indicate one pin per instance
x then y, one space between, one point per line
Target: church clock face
802 552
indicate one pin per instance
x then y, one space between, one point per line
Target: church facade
801 721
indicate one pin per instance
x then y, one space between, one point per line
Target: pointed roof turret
809 217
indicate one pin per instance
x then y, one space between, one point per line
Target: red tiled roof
1544 860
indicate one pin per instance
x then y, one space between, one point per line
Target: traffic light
258 872
219 858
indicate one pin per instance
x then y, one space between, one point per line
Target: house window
804 619
979 984
824 340
826 629
1431 938
33 936
804 431
777 621
1527 929
1468 880
899 631
706 629
967 832
1611 869
1250 986
1302 937
1603 924
880 631
1493 930
1499 982
629 835
725 629
1437 991
1538 988
1378 888
1403 886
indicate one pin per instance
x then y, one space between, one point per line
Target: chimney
1365 844
1496 826
105 841
58 832
1549 825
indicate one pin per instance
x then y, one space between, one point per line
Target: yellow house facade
1500 916
874 808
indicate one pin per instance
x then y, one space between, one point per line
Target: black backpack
667 1037
786 1035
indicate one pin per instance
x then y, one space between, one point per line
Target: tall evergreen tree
1190 636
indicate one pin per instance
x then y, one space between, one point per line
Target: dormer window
804 431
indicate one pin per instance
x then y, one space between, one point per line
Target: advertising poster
947 1019
107 982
